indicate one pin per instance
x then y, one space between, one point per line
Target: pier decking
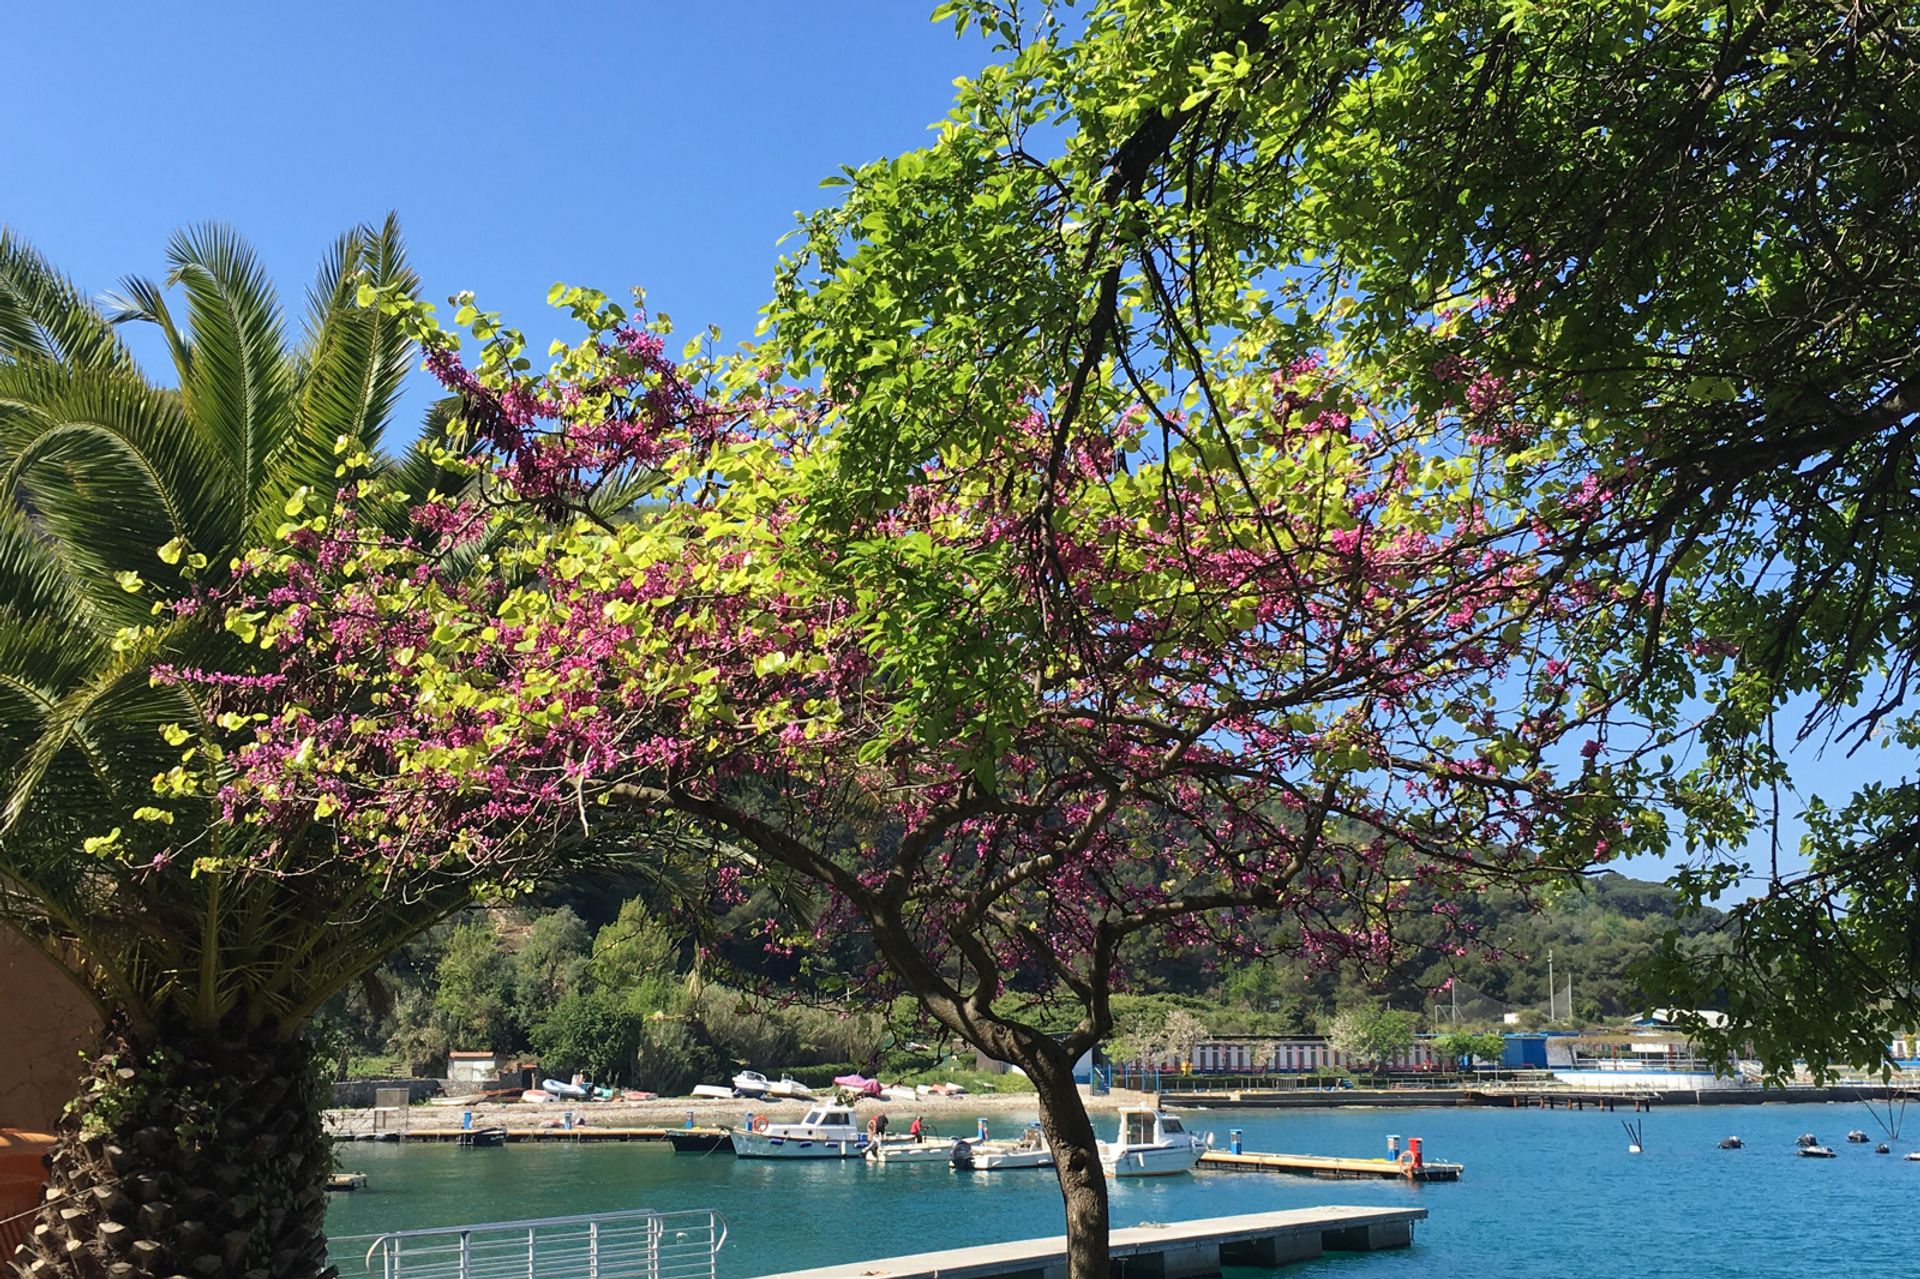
1330 1166
1176 1250
579 1132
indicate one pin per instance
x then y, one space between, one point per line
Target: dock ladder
638 1244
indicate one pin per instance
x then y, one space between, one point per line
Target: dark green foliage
592 1032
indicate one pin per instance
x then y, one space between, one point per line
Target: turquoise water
1545 1193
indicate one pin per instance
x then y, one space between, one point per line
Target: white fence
640 1244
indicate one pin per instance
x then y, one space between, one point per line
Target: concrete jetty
1174 1250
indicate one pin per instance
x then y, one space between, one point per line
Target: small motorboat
714 1091
1817 1152
572 1092
1857 1137
696 1141
790 1088
480 1137
1731 1143
905 1150
827 1132
1029 1151
1912 1156
1883 1149
1805 1140
858 1083
1152 1143
750 1083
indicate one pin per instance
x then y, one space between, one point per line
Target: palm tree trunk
187 1154
1076 1161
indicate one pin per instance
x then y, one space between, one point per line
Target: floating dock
579 1132
1176 1250
1330 1166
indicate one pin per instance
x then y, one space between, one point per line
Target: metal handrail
637 1243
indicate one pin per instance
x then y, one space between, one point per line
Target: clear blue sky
612 144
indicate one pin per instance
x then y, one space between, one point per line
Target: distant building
473 1069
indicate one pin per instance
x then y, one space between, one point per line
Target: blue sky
656 144
611 144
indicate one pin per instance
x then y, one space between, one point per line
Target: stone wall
46 1023
358 1093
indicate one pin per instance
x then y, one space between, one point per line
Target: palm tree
195 1146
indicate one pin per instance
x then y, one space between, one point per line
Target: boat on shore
827 1132
858 1083
1152 1143
570 1092
790 1089
751 1083
714 1091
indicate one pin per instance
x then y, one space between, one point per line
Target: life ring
760 1124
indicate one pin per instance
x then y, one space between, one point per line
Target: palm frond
108 469
142 301
42 314
238 388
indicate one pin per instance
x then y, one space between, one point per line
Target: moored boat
1030 1151
1151 1144
696 1141
483 1137
905 1150
1817 1152
827 1132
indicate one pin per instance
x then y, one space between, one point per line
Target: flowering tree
1279 677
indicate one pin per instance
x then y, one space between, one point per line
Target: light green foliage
1371 1036
1482 1047
638 956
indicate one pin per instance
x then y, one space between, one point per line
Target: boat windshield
1169 1124
829 1118
1139 1128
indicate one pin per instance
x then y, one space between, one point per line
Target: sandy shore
944 1113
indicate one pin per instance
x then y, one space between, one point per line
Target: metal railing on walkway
640 1244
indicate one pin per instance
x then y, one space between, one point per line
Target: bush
591 1032
675 1054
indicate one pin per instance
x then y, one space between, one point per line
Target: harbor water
1545 1192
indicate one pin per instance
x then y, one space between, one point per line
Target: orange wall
44 1024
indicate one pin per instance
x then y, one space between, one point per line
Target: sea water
1545 1193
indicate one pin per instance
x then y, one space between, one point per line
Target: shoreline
705 1112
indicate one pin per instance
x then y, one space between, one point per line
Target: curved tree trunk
189 1155
1076 1161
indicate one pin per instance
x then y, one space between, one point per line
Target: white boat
713 1090
572 1092
898 1092
827 1132
791 1088
751 1083
1030 1151
1152 1144
905 1150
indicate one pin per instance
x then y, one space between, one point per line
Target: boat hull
1007 1160
771 1145
1151 1161
914 1152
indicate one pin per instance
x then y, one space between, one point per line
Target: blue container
1233 1140
466 1119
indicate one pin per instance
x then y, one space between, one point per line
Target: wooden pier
1331 1166
1176 1250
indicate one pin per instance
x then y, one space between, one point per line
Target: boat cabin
1147 1127
827 1117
